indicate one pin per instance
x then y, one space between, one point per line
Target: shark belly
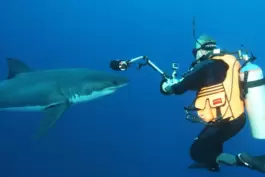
29 96
26 108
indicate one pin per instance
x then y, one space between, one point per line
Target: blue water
137 132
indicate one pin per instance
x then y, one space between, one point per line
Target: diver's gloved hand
166 86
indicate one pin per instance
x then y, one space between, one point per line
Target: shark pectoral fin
15 67
53 113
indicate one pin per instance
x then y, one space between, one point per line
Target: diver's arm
196 78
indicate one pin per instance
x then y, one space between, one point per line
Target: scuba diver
216 78
225 89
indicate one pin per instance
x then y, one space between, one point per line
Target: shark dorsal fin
16 67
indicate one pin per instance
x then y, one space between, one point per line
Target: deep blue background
150 137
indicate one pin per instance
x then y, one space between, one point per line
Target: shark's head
106 81
97 84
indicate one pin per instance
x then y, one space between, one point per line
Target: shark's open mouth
122 85
111 89
116 87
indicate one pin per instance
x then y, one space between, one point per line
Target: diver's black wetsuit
209 143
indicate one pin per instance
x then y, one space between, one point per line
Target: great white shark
53 91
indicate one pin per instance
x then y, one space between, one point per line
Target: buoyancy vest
221 101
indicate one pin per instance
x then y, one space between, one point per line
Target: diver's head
203 45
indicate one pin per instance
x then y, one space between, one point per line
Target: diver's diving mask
208 46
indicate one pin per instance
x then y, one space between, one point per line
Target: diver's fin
16 67
53 113
197 165
227 159
253 162
260 158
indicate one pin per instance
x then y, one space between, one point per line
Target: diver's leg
204 154
208 146
242 159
